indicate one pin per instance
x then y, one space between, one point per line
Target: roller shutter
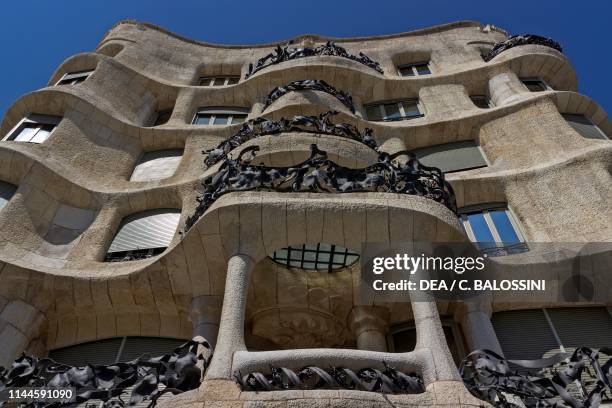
6 192
157 165
95 352
451 157
583 126
154 346
147 229
582 326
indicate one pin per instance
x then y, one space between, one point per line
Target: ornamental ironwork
310 85
318 174
258 127
282 54
177 372
387 381
577 380
517 40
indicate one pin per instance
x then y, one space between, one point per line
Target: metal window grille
315 257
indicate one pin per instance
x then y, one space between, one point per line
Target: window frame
413 66
500 248
78 76
484 98
214 111
536 79
39 121
401 110
211 80
309 248
601 132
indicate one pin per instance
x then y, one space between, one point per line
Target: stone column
370 325
20 324
205 314
475 320
505 88
231 329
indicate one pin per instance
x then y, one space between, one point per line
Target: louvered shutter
524 335
145 230
154 346
6 192
157 165
583 126
96 352
582 326
451 157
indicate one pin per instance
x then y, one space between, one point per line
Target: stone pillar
370 325
475 320
505 88
205 314
20 324
231 329
430 336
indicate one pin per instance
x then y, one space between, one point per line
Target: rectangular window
73 78
494 230
33 129
481 101
451 157
418 69
535 84
218 81
220 116
392 111
584 126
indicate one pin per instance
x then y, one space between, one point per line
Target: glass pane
202 119
411 109
219 82
310 265
350 259
323 257
204 82
483 235
26 134
423 69
232 80
373 112
221 120
504 227
295 264
238 119
392 111
41 135
280 254
406 71
322 247
310 256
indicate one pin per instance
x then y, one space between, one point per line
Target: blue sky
39 34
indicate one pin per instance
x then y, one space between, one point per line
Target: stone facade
216 280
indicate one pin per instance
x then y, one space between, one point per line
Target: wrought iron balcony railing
318 174
517 40
309 124
310 85
282 54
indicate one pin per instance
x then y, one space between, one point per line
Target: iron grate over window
322 257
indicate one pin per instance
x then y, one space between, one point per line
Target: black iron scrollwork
580 383
310 85
285 53
178 372
388 381
309 124
517 40
318 174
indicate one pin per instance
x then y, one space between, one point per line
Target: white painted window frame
413 66
400 104
77 76
211 81
10 136
218 111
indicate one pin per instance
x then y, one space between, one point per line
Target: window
218 81
493 229
402 339
451 157
402 110
220 116
7 191
418 69
535 84
143 235
481 101
157 165
34 129
73 78
322 257
162 117
584 126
